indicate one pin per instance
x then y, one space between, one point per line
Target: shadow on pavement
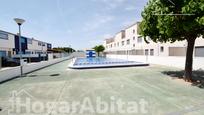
43 75
198 76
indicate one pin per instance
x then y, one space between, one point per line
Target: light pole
42 52
20 22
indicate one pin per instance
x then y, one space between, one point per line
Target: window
3 36
133 31
28 52
151 52
134 38
139 40
2 53
49 46
23 40
128 41
114 44
133 45
118 44
29 41
111 45
39 43
162 49
123 34
146 51
43 44
123 43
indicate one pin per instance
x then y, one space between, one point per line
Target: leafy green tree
174 20
99 48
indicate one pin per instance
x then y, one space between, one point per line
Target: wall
177 51
171 61
50 56
78 54
199 41
15 71
7 45
60 55
35 47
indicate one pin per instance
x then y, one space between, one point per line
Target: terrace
57 83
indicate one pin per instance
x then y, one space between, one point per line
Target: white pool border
72 66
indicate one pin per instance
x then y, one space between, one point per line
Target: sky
79 23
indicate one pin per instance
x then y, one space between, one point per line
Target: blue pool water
99 61
85 63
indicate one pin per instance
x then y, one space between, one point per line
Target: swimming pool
86 63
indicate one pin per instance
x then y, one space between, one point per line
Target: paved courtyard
163 94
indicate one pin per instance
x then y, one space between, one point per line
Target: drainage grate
55 75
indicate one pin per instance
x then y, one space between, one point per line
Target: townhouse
129 42
9 46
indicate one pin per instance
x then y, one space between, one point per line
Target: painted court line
188 110
59 96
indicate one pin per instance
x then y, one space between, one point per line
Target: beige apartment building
36 46
9 45
129 42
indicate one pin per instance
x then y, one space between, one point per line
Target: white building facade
9 45
129 42
36 46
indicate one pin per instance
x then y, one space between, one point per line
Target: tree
99 48
64 49
174 20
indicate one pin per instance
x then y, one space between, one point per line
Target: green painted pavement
58 83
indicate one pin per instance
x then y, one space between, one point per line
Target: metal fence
126 52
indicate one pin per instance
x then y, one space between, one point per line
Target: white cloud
69 31
128 23
111 1
130 8
97 22
105 36
111 4
95 42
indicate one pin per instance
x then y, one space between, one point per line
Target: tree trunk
189 60
98 54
